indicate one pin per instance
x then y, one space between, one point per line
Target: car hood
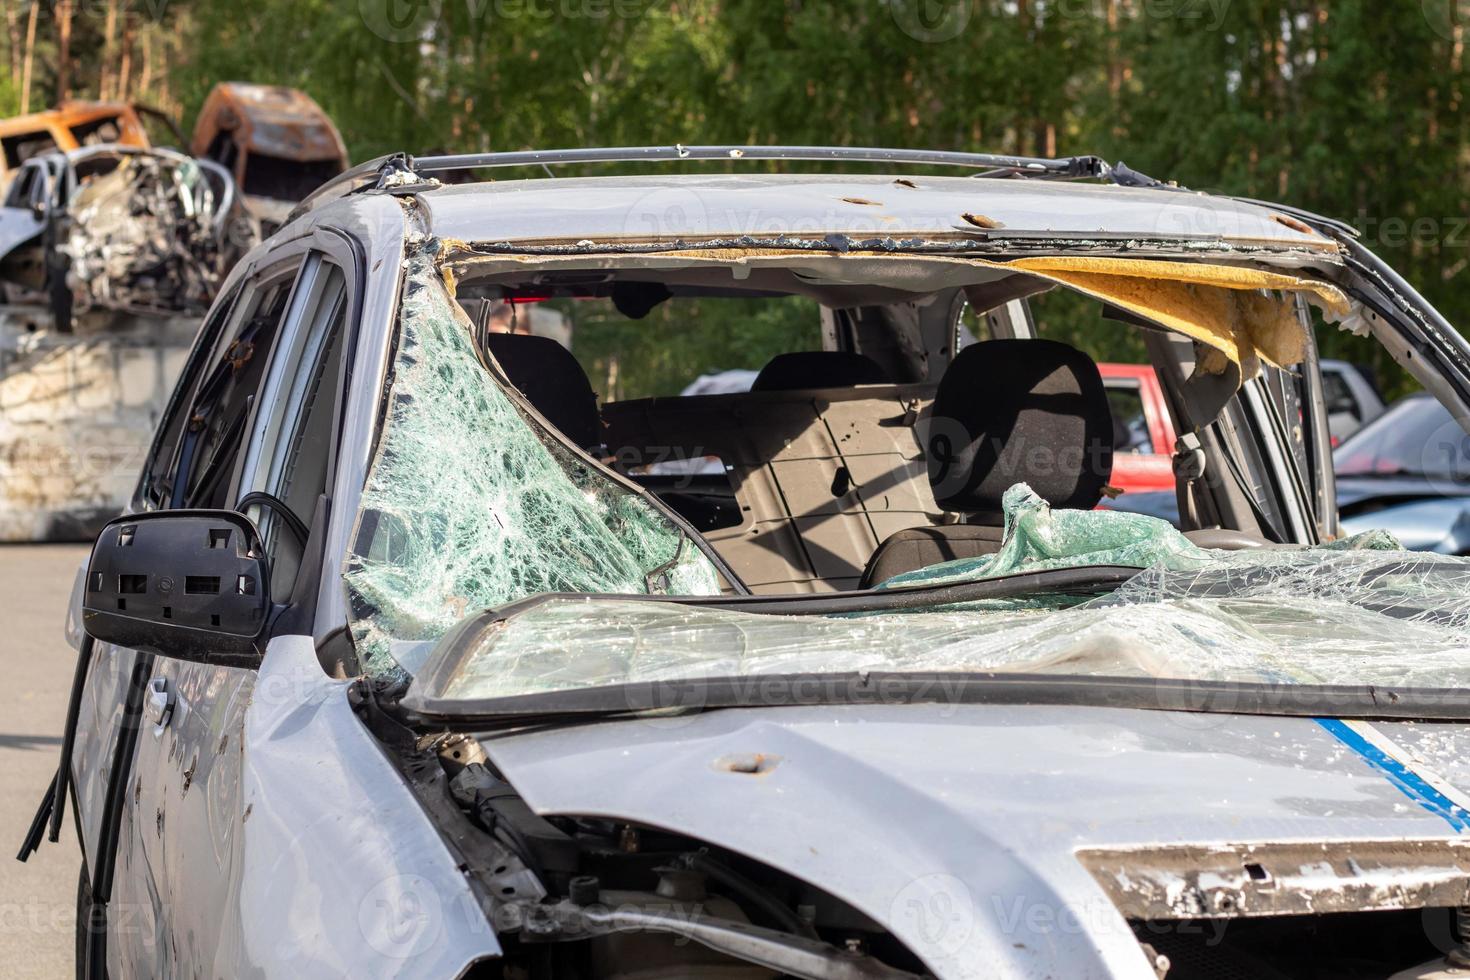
967 830
18 226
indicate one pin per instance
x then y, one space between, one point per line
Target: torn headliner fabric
1238 313
470 503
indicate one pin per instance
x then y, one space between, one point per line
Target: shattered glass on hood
1347 613
470 504
1037 539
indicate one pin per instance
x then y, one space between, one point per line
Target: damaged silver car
433 648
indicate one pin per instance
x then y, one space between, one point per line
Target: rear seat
821 472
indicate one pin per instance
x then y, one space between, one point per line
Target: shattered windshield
1357 611
502 481
471 503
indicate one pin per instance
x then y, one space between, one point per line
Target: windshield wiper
1084 581
698 694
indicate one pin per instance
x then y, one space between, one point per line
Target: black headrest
1013 411
819 369
552 381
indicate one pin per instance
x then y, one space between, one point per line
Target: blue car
1408 471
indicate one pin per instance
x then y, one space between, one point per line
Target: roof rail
400 169
1073 167
369 173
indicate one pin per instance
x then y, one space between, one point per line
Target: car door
261 424
107 690
1143 439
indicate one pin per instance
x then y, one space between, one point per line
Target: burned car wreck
457 659
120 228
108 256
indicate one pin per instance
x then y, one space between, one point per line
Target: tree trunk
145 79
63 50
12 34
30 58
105 86
125 67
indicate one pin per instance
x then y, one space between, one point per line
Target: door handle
160 703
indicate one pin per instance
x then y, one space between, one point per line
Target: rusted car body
70 126
276 141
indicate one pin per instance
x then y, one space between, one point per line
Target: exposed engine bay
590 897
147 232
119 229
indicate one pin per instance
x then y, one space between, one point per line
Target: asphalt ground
38 898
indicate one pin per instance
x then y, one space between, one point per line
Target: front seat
553 382
819 369
1006 412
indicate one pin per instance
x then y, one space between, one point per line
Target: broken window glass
1357 611
471 503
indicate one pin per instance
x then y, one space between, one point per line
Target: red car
1143 435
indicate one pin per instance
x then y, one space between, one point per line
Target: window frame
304 340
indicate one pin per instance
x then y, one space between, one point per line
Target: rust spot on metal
60 126
1292 223
240 354
1241 881
272 120
981 221
189 775
755 764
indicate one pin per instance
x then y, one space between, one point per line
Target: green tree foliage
1353 109
684 338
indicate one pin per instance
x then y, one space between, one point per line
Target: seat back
1006 412
552 381
819 369
819 476
1019 411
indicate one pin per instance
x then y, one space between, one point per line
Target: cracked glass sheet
469 504
1347 613
1037 539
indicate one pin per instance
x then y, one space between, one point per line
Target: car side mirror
191 584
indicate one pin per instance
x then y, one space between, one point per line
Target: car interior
885 451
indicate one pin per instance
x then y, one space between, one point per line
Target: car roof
695 206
